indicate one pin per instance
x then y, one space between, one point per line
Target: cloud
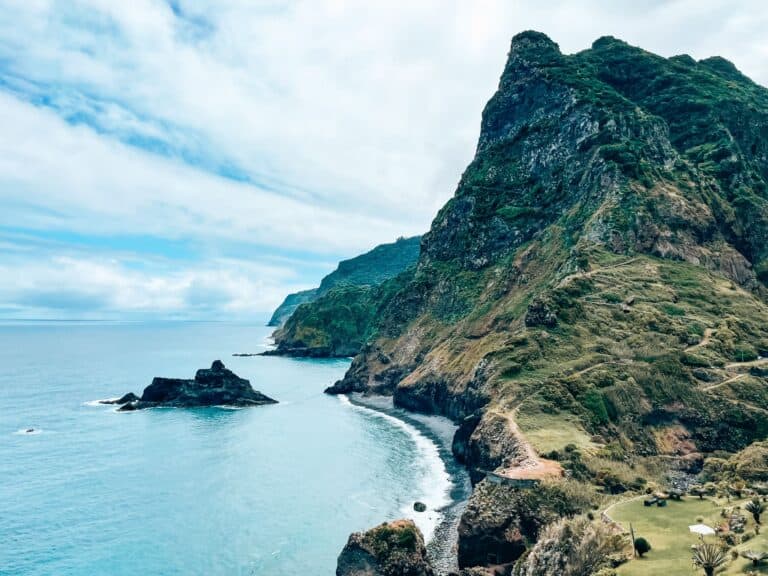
69 287
275 132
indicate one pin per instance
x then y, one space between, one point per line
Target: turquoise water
269 490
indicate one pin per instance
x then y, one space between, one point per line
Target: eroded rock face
215 386
499 519
391 549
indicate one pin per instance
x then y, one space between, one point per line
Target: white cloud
350 121
66 286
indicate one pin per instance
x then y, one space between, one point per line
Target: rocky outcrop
499 520
392 549
215 386
125 399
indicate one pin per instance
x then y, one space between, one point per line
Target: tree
755 507
572 547
642 546
709 557
754 557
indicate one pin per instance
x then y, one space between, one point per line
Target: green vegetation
642 546
709 557
673 543
370 269
756 508
572 547
597 285
336 324
374 267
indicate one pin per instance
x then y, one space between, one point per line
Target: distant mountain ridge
383 262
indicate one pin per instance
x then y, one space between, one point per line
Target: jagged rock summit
214 386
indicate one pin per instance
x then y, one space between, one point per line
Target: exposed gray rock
216 386
391 549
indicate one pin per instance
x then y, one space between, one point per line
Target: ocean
270 490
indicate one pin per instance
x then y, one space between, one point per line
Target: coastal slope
337 320
370 269
597 283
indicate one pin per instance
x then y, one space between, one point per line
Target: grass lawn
667 531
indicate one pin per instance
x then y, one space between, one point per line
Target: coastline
442 536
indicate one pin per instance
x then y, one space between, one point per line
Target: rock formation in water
597 284
215 386
392 549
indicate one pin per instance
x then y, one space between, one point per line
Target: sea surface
270 490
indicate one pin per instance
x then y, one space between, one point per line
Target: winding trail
708 333
723 383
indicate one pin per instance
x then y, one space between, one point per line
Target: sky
199 159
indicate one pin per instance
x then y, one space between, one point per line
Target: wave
101 402
434 486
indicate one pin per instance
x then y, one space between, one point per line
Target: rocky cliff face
599 277
392 549
370 269
288 306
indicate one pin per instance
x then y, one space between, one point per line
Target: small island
214 386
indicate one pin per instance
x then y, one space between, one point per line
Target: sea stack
214 386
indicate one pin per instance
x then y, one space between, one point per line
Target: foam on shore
434 488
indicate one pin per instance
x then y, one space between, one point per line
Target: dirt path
708 333
531 467
737 365
608 363
723 383
591 273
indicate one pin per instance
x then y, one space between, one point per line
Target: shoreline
438 430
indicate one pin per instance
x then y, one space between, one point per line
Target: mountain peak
532 48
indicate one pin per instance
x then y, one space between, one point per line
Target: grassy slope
630 373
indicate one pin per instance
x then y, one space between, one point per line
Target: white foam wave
435 485
101 402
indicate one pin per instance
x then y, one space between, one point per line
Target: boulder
419 507
125 399
214 386
391 549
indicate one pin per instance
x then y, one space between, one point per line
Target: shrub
642 546
572 547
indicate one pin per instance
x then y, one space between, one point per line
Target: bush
642 546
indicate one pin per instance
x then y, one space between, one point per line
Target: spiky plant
755 507
754 557
709 557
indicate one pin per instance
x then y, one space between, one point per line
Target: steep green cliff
598 279
370 269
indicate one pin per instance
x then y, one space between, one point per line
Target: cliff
595 290
370 269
